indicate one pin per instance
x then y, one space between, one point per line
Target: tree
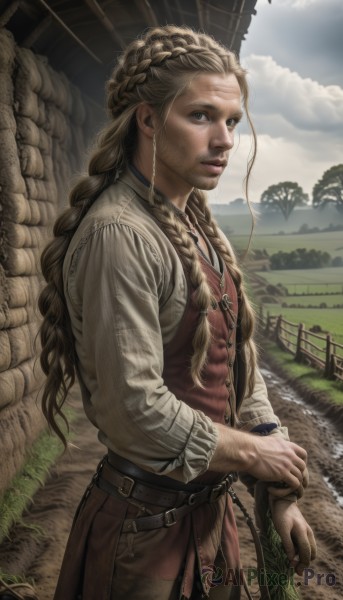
329 188
301 258
238 202
284 197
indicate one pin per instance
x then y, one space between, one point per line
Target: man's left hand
295 533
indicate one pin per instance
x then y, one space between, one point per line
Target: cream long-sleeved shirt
126 292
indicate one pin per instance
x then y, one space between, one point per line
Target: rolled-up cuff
198 452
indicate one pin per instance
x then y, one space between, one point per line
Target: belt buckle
216 492
126 487
232 478
170 517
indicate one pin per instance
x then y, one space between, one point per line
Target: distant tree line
285 196
301 258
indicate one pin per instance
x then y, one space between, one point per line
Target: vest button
230 363
229 344
232 325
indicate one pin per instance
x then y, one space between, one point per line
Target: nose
222 137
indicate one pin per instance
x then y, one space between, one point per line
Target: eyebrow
238 114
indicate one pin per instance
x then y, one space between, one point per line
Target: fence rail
320 350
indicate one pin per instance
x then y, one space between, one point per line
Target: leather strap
265 595
173 515
166 519
128 487
119 484
112 480
132 470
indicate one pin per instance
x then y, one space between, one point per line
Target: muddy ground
37 553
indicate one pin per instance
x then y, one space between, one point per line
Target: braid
57 356
177 234
161 49
197 203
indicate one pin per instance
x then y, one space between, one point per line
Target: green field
323 282
331 242
330 300
298 281
330 320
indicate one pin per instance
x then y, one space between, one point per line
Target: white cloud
301 4
304 35
293 55
303 103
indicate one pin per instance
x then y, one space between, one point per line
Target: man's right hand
267 458
278 460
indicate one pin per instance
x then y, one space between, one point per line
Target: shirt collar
141 185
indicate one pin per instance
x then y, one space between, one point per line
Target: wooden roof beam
203 14
12 9
238 22
147 12
106 23
70 32
37 32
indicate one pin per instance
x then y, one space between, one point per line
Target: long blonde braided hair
153 69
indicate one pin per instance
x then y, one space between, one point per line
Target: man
145 303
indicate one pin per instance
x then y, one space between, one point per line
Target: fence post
332 370
327 370
297 357
261 325
267 330
277 328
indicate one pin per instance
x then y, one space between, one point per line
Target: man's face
192 149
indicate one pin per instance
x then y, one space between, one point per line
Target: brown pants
101 563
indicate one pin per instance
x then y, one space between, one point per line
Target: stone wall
45 126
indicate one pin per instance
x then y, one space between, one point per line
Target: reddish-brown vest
214 529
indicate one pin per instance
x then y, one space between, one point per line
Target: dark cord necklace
188 224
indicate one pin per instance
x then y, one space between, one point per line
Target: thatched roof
82 37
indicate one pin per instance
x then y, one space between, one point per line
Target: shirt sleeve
256 410
118 281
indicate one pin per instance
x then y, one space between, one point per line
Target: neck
179 200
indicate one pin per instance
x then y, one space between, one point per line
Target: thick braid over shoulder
177 234
246 318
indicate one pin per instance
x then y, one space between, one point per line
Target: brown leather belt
132 470
179 502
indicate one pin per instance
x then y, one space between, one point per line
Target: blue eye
199 116
231 123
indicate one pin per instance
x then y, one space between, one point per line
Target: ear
145 117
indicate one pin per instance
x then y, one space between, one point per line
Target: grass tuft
279 576
24 485
309 376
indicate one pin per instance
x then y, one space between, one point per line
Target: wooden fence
321 351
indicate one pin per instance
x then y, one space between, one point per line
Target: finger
293 481
300 491
306 478
313 544
298 473
278 492
304 551
301 452
287 543
307 551
299 465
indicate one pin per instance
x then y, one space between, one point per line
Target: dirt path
38 555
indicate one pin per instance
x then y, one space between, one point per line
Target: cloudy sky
294 54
